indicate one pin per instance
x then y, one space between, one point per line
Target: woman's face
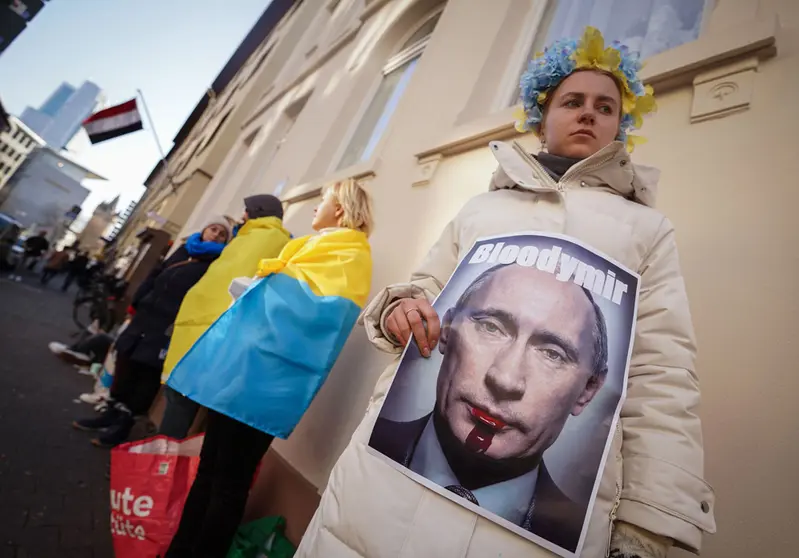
215 233
582 115
327 213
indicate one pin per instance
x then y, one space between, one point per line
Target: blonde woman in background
258 368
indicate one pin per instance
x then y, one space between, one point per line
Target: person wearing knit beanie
260 235
222 222
263 205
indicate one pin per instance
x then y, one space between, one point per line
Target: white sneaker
57 348
92 398
84 371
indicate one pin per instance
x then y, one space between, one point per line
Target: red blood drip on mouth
486 420
479 439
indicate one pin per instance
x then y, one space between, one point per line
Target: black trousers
96 346
71 276
179 414
135 384
48 274
215 505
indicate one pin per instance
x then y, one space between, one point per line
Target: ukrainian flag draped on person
263 361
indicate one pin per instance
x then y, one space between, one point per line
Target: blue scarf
196 246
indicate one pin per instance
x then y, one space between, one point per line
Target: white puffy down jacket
654 474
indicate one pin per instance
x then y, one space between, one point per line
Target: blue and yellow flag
263 361
259 238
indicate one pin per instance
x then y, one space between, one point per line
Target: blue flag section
263 361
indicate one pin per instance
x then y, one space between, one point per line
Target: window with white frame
397 74
645 26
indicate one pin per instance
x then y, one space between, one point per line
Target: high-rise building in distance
60 117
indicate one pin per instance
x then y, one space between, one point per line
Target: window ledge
671 69
678 67
362 171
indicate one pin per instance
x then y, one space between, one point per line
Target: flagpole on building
152 128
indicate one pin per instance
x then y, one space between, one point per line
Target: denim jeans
179 414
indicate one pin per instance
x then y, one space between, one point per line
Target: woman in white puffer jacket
581 100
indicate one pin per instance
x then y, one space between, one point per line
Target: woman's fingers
417 318
394 327
414 316
433 324
402 329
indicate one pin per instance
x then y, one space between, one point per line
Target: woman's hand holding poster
513 414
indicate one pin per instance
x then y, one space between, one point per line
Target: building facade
200 146
93 236
121 219
61 116
15 144
44 190
406 94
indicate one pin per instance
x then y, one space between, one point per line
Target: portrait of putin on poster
513 414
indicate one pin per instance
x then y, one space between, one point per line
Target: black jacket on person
35 246
78 264
157 302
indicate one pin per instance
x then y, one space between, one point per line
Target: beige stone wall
725 138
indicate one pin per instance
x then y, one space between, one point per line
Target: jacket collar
608 169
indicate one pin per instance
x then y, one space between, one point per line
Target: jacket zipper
598 162
538 170
615 507
543 175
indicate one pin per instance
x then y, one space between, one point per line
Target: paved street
53 490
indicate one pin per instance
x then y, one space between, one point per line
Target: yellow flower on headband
633 140
519 116
643 105
591 53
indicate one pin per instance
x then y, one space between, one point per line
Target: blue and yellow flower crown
565 56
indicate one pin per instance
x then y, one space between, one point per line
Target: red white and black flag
112 122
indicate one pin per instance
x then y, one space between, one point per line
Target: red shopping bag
150 480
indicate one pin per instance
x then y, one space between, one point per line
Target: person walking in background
260 236
56 263
76 268
259 366
33 247
141 347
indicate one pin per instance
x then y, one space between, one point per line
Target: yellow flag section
263 361
337 262
259 238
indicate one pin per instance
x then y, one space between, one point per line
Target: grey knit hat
263 205
219 220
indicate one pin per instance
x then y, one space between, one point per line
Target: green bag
262 538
